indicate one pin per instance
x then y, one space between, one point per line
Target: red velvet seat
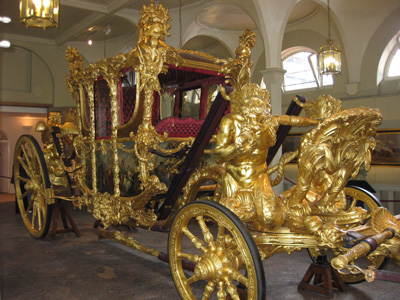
188 127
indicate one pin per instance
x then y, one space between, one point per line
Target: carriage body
153 132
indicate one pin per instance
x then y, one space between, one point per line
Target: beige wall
34 72
15 124
25 77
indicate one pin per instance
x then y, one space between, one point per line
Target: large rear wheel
31 181
225 257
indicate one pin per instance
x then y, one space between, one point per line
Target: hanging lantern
39 13
329 55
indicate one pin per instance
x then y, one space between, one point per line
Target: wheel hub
209 267
29 186
214 266
32 185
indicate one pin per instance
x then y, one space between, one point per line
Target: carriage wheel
357 196
226 259
31 182
208 175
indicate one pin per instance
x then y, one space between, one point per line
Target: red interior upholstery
188 127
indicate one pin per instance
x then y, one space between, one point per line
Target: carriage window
103 108
167 105
191 103
127 96
212 94
185 94
85 109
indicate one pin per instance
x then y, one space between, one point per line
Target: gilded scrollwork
311 215
128 241
380 221
237 70
150 56
322 108
208 174
243 141
54 162
328 156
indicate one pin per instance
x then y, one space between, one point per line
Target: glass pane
128 82
327 80
85 107
394 68
191 103
299 74
212 94
167 104
103 108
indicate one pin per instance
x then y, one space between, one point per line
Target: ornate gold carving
55 165
196 181
328 156
311 215
237 71
74 59
221 257
322 108
383 219
243 141
117 236
150 58
360 250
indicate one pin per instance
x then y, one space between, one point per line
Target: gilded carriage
177 141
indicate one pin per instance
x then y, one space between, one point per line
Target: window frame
395 49
319 79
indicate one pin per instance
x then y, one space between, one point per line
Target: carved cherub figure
243 141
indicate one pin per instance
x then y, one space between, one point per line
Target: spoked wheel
31 182
225 258
357 196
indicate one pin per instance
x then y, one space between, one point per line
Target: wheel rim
358 197
31 181
224 254
208 174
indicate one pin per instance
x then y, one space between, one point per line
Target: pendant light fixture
329 55
39 13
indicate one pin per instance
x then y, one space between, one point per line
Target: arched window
301 65
3 136
393 63
389 63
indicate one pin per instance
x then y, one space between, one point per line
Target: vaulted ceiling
79 19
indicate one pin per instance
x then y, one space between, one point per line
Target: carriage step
325 278
60 207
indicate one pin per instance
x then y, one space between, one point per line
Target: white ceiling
80 19
216 16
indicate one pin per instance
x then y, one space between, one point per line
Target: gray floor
86 268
